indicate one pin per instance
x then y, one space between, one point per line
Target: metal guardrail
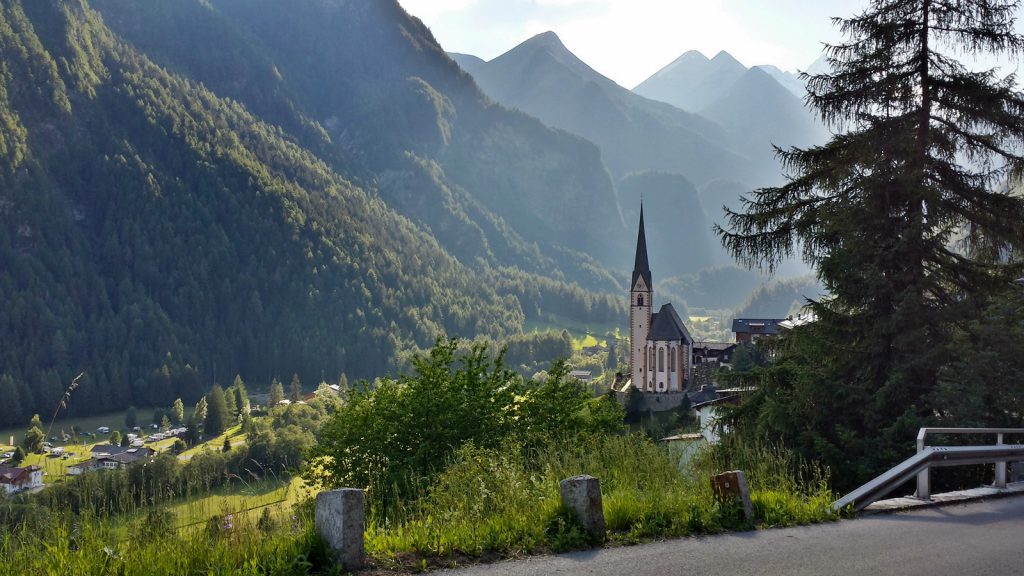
929 457
923 477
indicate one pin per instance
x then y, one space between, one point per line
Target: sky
630 40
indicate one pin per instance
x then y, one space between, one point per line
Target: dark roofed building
115 457
750 329
713 352
14 480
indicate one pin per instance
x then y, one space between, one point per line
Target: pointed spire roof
640 266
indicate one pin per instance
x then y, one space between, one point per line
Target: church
661 348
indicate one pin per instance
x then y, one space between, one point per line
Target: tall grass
487 503
86 545
500 502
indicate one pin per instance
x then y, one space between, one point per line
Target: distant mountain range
711 121
541 77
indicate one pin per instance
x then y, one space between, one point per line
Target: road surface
976 539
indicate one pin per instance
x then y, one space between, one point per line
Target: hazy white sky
629 40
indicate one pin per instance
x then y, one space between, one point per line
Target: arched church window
661 359
640 300
672 361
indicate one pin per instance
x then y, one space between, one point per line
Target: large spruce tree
883 210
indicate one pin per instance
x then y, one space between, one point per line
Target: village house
750 329
14 480
110 457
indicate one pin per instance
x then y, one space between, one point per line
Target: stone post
732 487
340 522
582 495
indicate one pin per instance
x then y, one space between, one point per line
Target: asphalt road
976 539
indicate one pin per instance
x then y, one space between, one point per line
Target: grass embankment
491 503
270 533
487 504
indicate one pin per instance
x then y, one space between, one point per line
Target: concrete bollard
340 521
732 487
582 495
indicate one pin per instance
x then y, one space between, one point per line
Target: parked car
7 455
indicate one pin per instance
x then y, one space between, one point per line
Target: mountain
766 113
692 82
398 111
788 80
679 236
185 194
468 62
749 103
543 78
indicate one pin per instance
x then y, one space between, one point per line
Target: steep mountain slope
173 220
766 113
400 113
467 62
692 81
789 80
543 78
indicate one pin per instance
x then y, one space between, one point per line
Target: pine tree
178 412
130 418
217 418
276 392
295 393
926 142
199 413
241 396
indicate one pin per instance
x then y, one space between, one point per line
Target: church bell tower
641 294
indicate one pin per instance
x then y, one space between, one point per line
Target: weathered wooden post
582 495
732 487
340 521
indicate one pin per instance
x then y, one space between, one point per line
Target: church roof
641 268
667 326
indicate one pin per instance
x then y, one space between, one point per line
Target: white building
661 348
14 480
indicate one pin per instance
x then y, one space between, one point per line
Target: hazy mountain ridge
543 78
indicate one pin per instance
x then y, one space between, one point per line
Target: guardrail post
340 521
1000 481
924 489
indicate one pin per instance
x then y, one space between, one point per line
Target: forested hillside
185 195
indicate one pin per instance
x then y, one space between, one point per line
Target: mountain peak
548 38
724 57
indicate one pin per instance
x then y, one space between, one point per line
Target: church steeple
641 296
640 266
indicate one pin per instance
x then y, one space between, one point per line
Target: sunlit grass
497 502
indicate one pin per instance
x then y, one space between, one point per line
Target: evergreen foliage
923 145
217 414
276 393
178 411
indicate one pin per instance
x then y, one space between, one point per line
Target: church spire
640 266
